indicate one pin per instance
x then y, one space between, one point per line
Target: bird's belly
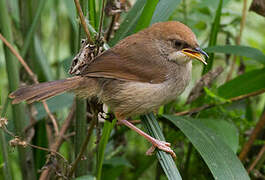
133 98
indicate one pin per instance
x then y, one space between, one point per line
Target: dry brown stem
83 21
207 106
56 145
254 134
255 162
33 77
238 38
84 145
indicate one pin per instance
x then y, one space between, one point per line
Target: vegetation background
207 133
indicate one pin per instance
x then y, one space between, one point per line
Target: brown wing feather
125 62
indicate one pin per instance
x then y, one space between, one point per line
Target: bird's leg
164 146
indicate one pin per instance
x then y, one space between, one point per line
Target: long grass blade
92 13
213 36
166 161
102 145
129 22
146 15
164 10
32 28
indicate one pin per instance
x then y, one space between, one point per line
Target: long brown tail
42 91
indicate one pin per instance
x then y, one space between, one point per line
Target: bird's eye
178 44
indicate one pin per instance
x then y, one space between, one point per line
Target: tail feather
42 91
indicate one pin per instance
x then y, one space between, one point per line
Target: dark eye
178 44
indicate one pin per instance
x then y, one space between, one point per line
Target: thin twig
238 39
259 156
101 19
115 16
84 146
51 116
56 145
48 150
206 106
259 126
83 21
33 77
31 145
21 60
110 29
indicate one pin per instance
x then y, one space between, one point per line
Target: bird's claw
162 145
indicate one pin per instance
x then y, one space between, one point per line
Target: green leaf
224 130
166 161
244 51
118 161
221 160
214 96
213 36
33 27
114 166
92 13
146 16
244 84
164 10
108 126
129 22
56 103
42 60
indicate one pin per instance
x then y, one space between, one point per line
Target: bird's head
180 42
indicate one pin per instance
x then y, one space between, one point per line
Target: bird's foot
162 145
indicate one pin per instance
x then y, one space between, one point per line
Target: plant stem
207 106
259 157
4 146
238 38
32 28
59 140
259 126
81 104
80 136
18 111
108 126
101 18
83 146
33 77
187 162
82 19
213 36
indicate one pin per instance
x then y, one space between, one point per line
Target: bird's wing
126 63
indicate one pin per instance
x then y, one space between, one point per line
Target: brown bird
138 75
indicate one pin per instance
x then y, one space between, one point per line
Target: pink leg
164 146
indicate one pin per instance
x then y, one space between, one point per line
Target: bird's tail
42 91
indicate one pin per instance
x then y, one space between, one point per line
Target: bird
139 74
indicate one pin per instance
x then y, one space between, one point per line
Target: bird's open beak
196 53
